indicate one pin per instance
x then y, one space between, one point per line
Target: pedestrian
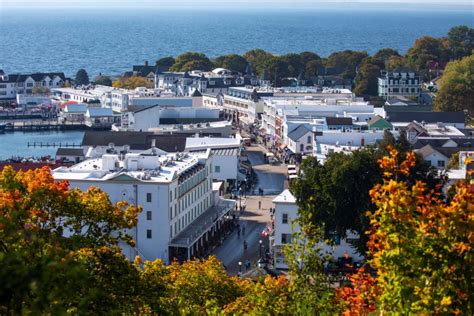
259 204
245 245
243 229
247 265
238 234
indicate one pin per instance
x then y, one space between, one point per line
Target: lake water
111 41
16 143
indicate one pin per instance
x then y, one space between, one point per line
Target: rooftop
285 197
145 167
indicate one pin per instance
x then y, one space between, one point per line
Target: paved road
272 179
255 221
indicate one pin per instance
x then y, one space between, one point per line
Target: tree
456 87
421 243
57 250
82 78
426 49
192 61
338 190
367 80
395 62
460 41
257 58
232 62
347 60
384 54
294 64
165 63
132 83
103 80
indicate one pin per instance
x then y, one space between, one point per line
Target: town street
272 180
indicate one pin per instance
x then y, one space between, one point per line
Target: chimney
146 62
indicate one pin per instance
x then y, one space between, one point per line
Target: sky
117 4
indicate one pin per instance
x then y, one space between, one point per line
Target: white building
180 215
286 212
73 113
226 153
100 118
399 83
88 94
11 85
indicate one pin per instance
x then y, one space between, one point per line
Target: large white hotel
181 216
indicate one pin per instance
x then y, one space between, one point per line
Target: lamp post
240 268
240 198
260 242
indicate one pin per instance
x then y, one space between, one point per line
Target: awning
293 176
291 167
283 146
291 171
288 151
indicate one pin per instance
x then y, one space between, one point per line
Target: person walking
259 204
245 245
243 229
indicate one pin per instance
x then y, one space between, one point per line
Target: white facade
399 83
11 85
286 212
174 190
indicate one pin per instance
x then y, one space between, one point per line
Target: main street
256 217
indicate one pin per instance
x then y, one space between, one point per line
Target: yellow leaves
446 301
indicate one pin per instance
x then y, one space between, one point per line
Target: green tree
165 63
336 193
311 68
192 61
347 60
232 62
82 78
385 53
456 87
103 80
294 64
366 82
461 41
258 58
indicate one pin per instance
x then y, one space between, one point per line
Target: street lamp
260 247
240 197
240 268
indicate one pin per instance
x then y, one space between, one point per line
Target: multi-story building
399 83
180 214
13 84
286 212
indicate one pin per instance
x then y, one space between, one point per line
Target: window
148 215
148 233
148 197
217 169
284 218
309 139
301 147
441 163
285 238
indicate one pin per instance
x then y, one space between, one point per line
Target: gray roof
70 152
298 132
338 121
220 151
428 117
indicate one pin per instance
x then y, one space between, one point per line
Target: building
213 82
226 157
99 118
13 84
401 119
400 82
379 123
74 155
180 216
155 116
73 113
300 140
286 212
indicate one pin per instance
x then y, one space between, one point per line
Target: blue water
110 42
16 144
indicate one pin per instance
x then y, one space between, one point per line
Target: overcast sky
47 4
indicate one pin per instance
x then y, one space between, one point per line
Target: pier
44 125
58 145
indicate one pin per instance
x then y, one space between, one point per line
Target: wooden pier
38 125
58 145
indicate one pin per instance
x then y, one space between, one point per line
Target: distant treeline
348 64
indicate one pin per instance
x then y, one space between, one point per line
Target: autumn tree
366 81
57 250
421 242
456 87
347 60
132 82
426 49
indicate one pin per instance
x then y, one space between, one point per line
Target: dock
58 145
38 125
